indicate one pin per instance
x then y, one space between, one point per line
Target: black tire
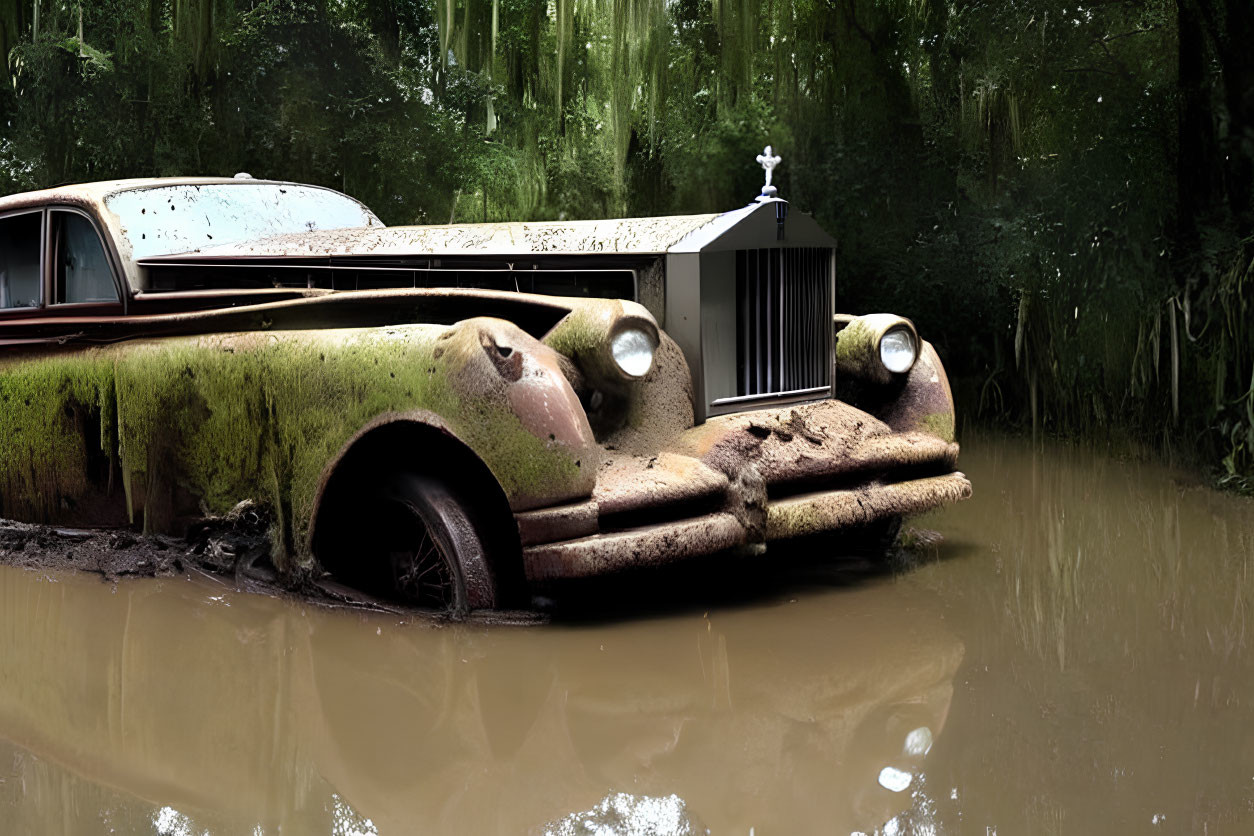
429 546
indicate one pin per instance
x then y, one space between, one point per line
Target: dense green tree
1060 192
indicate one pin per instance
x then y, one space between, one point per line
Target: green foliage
1051 190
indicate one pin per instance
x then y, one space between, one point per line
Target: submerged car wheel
430 546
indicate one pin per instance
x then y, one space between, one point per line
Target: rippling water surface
1074 658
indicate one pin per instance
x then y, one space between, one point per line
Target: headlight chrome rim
898 350
633 348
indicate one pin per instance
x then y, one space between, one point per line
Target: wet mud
1072 657
233 551
236 545
111 554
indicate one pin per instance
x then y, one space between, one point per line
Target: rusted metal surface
796 516
771 474
925 403
560 522
815 513
627 235
631 483
296 310
654 411
653 545
812 442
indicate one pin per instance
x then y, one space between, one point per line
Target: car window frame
37 310
50 266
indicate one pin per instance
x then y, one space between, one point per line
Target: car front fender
194 425
920 400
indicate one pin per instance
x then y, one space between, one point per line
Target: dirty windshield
186 218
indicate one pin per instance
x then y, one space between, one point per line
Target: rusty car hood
634 236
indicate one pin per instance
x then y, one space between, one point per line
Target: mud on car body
451 413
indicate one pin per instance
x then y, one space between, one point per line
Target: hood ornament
768 159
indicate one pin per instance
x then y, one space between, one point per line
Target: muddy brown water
1073 658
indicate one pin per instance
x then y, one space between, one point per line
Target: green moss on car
217 418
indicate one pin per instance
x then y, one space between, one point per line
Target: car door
58 415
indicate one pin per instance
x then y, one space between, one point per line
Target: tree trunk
1236 59
1197 163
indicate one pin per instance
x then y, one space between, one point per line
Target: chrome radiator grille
784 320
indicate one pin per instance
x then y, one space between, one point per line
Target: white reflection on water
348 822
895 779
920 819
622 814
170 822
919 742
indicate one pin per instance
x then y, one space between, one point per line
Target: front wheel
425 549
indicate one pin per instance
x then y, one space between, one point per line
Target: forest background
1061 194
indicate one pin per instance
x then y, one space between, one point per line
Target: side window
20 283
82 268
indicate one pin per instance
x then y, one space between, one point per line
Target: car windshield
180 219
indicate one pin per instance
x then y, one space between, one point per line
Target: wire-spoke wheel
424 574
433 548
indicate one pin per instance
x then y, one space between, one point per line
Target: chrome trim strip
772 397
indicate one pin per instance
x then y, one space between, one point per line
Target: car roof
93 194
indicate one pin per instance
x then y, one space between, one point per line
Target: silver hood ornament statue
768 159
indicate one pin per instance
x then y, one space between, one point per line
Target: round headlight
633 351
898 351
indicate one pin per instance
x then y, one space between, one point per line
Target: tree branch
1092 70
1141 31
851 17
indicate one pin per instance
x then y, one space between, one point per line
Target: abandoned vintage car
451 414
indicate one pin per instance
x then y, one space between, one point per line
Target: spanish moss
1060 194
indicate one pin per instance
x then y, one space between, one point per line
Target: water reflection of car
266 715
451 413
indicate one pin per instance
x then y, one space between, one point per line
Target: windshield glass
181 219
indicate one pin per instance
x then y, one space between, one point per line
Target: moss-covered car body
290 368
